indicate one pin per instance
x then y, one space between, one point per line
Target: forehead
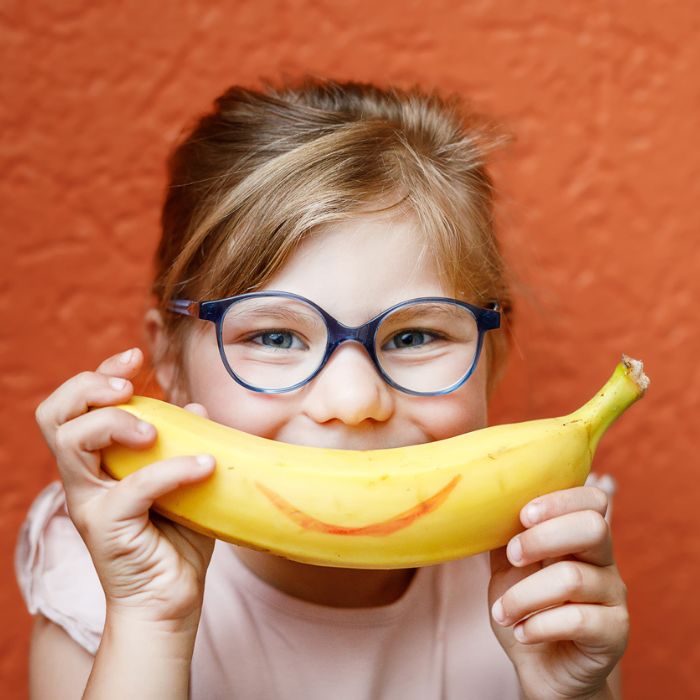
356 268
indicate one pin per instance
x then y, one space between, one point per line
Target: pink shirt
257 642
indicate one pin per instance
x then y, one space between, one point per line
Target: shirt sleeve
55 573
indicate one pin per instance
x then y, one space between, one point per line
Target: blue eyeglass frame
215 310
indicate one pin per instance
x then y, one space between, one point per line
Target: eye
410 338
278 340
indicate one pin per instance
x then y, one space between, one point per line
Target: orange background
599 215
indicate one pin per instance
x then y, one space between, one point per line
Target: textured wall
599 217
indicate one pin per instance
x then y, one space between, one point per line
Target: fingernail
532 513
125 357
515 551
117 383
144 428
205 461
497 612
519 633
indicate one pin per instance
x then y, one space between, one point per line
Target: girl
292 206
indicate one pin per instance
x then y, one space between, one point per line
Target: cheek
227 402
257 414
460 412
453 417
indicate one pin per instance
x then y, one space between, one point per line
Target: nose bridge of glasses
339 333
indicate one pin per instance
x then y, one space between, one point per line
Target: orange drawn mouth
386 527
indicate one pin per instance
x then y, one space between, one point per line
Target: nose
349 388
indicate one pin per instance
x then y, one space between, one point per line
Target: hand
151 569
558 581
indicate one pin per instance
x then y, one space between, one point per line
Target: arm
142 660
133 660
58 666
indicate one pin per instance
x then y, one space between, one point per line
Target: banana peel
375 509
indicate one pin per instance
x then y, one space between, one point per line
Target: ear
164 365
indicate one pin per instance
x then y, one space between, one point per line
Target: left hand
565 583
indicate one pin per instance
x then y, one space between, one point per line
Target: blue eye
410 338
278 340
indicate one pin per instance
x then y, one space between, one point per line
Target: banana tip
635 369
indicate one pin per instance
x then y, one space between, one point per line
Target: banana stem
626 385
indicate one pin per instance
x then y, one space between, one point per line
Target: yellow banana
377 509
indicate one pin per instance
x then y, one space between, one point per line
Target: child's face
354 270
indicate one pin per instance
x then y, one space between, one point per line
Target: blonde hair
267 167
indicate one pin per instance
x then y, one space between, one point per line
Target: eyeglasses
274 342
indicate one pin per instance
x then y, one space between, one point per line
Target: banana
375 509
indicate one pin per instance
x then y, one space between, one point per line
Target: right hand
151 569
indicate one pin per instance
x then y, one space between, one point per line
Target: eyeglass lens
278 342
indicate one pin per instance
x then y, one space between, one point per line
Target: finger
584 534
504 575
563 582
557 503
107 386
197 409
605 628
135 494
78 441
123 364
76 396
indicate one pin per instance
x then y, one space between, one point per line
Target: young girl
350 202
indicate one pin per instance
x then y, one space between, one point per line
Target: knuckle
572 577
624 615
623 591
577 619
40 414
596 525
114 415
84 379
63 438
601 498
536 627
624 620
109 420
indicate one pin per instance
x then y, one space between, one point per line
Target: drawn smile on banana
384 527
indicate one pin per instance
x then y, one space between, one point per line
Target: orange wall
600 218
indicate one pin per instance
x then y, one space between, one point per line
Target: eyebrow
435 309
263 310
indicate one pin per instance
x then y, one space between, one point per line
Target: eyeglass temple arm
491 319
184 307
